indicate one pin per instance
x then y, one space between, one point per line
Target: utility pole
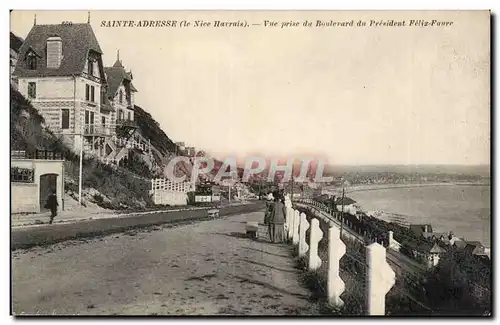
291 190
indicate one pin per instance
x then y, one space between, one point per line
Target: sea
463 209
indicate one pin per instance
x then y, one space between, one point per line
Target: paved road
205 268
49 234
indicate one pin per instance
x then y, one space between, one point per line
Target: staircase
121 154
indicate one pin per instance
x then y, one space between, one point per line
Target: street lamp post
81 170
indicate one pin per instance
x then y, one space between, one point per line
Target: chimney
54 52
426 228
391 237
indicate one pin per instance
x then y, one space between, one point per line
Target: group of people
275 216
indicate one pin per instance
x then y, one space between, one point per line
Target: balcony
127 123
97 130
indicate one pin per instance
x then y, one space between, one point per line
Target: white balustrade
303 226
295 233
290 219
380 278
315 236
336 249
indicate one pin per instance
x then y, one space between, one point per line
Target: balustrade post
295 233
303 226
288 205
336 249
315 236
380 278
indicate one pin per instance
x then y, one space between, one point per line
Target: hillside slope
150 129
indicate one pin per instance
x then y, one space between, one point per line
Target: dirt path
207 268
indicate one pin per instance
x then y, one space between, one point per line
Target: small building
459 244
33 179
441 236
433 255
474 248
419 230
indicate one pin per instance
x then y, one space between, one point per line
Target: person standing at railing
269 206
277 219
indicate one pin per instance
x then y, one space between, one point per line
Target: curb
121 215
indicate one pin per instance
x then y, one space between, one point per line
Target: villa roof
77 41
115 77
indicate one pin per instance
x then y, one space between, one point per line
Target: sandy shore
206 268
374 187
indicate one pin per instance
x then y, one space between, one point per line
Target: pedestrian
52 205
269 206
277 220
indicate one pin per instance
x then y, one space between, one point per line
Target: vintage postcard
274 163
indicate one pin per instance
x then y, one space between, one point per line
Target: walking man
52 205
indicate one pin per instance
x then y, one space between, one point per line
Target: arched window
121 97
32 61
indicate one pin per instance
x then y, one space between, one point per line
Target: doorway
48 183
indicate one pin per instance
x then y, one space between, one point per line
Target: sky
354 95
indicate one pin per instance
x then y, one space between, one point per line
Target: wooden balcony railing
95 129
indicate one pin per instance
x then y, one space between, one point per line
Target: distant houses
444 241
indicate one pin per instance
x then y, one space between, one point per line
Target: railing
379 277
128 123
131 144
162 184
350 231
95 129
37 154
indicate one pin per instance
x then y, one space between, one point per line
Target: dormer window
31 61
90 67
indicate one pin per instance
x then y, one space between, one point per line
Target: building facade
60 70
33 179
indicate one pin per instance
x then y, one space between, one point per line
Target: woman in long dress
269 206
277 221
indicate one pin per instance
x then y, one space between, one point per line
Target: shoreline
375 187
388 216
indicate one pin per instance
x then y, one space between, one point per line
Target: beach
464 209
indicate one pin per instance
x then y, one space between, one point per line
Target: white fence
131 144
379 277
167 185
166 192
